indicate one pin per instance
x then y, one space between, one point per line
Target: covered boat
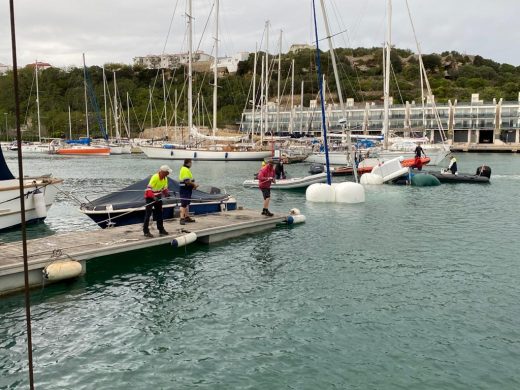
292 183
127 206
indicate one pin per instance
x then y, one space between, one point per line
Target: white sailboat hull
335 158
10 214
203 155
436 155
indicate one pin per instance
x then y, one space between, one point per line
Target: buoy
294 219
63 269
371 179
320 193
348 192
184 240
425 180
39 204
294 211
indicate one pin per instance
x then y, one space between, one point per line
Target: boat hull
91 151
458 178
203 155
10 215
132 216
291 184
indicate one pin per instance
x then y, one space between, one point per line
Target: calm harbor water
417 288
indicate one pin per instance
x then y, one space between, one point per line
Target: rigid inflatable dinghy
482 175
292 183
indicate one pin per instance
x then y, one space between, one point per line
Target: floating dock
82 246
485 148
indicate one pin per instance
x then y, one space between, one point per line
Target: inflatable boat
292 183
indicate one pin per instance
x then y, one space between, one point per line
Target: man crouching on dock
156 189
265 178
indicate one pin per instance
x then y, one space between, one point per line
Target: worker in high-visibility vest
157 189
187 185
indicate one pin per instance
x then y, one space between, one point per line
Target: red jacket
265 176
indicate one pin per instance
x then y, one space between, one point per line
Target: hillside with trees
452 76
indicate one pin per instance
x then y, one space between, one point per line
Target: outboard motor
316 168
484 170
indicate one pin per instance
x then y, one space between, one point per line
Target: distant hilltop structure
298 47
41 65
202 62
4 68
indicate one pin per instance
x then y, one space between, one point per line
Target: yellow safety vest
185 174
157 185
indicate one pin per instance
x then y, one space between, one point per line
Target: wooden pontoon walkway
82 246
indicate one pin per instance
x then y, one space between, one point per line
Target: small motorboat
127 206
316 168
292 183
347 171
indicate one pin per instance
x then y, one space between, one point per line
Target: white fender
294 219
39 204
184 240
61 270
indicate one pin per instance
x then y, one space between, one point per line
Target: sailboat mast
38 102
262 103
386 120
279 83
116 104
70 125
128 108
291 121
85 87
254 93
151 106
266 79
301 107
164 98
105 98
338 84
215 71
190 69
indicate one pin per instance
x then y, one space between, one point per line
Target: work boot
189 219
263 211
268 213
182 221
163 233
148 234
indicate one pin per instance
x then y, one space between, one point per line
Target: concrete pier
83 246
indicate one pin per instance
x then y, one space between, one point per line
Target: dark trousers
154 207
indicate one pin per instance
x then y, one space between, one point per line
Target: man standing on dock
156 189
265 178
187 185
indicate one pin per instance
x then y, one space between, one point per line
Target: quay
485 148
82 246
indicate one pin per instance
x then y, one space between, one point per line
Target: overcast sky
58 31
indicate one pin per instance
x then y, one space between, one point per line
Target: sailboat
37 147
235 152
40 193
83 146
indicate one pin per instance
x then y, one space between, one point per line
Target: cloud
58 31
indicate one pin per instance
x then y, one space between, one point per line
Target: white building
4 68
170 61
230 64
297 47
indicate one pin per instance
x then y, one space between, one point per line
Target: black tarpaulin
5 173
